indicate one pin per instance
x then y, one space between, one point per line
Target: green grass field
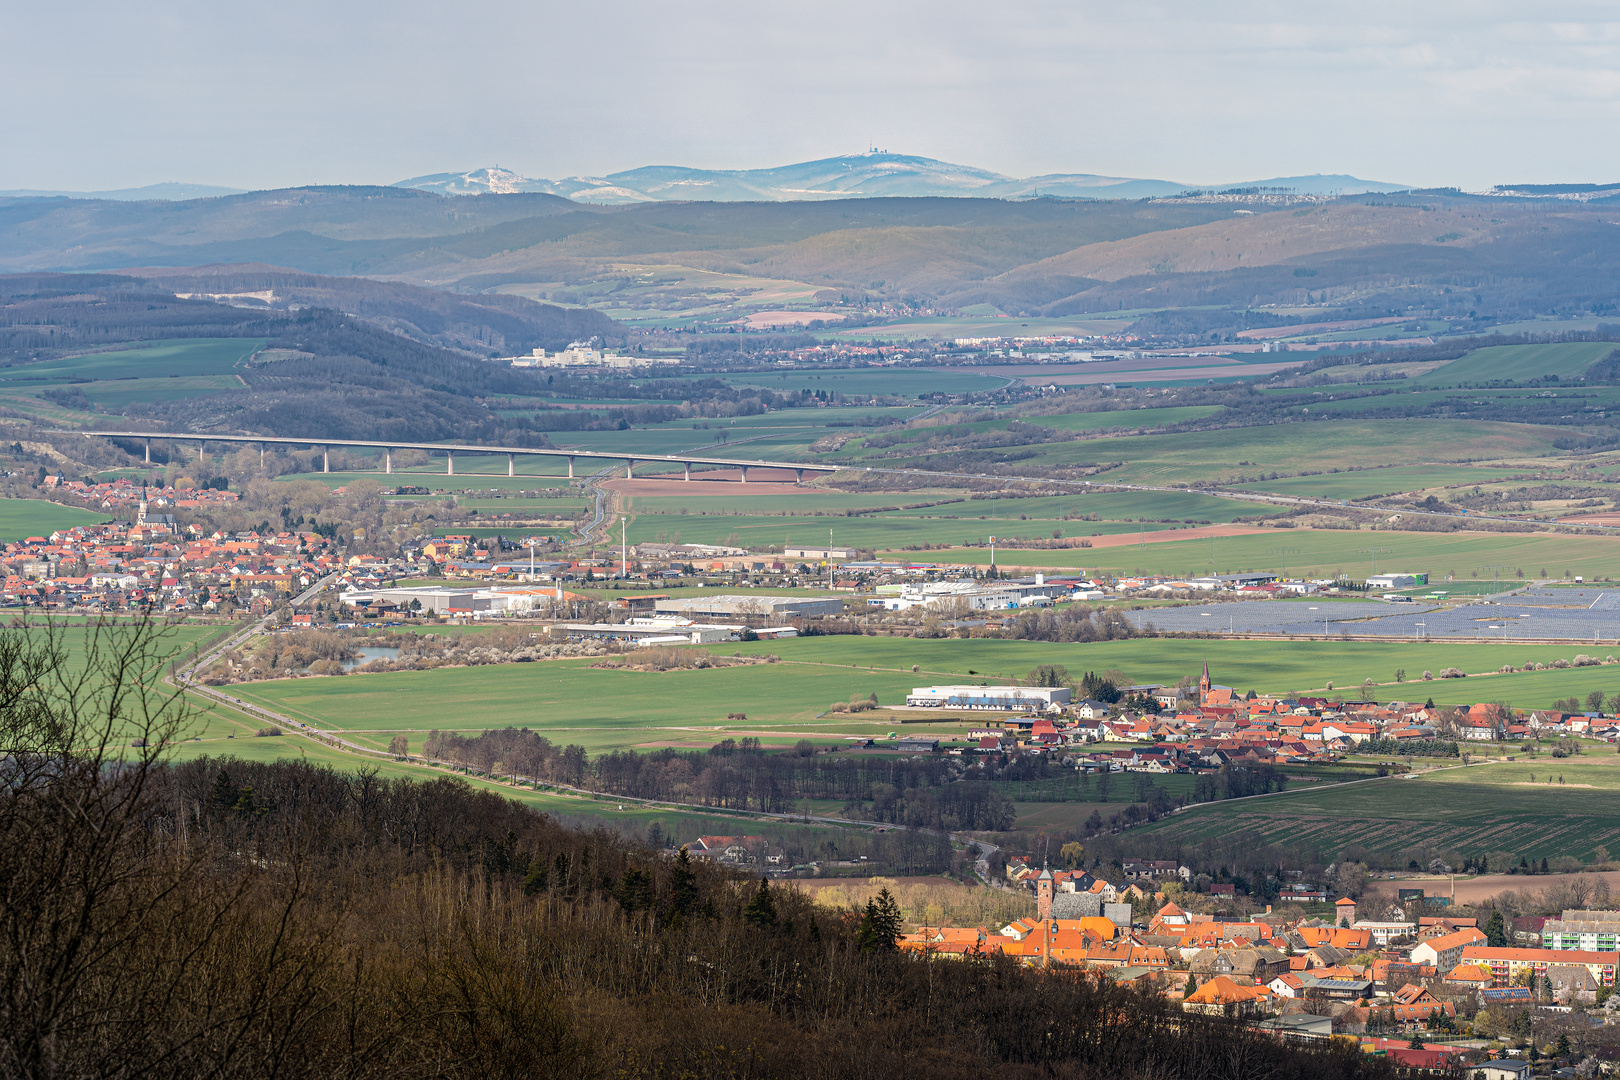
1085 421
906 382
601 709
1519 362
1597 767
1227 454
186 357
22 518
435 480
716 518
956 505
1125 418
1369 483
1391 815
572 703
1327 552
885 531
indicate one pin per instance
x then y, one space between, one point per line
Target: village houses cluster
147 560
1171 730
1359 973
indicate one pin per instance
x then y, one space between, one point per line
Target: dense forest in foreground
222 918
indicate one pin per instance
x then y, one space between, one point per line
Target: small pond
367 655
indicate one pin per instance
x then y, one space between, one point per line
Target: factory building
795 551
971 595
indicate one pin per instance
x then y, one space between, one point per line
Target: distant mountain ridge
168 191
873 175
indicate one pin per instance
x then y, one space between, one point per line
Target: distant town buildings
584 354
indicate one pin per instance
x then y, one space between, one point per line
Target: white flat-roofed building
1385 932
653 631
439 600
743 606
1397 581
973 595
988 697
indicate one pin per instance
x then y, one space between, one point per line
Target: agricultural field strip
1472 816
1319 552
804 726
951 503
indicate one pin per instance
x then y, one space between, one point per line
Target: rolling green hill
1519 363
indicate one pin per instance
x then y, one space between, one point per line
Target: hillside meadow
22 518
1387 480
1564 360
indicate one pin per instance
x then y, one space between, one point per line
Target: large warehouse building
442 601
988 697
749 607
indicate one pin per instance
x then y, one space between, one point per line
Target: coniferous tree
761 910
683 882
881 924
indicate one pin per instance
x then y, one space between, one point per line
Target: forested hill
322 373
485 324
280 920
43 314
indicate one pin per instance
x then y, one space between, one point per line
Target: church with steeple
1211 694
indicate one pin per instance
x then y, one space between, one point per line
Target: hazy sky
104 94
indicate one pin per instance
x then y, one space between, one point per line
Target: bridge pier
630 469
798 476
388 459
511 464
326 461
745 474
570 468
261 455
688 465
149 451
449 463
